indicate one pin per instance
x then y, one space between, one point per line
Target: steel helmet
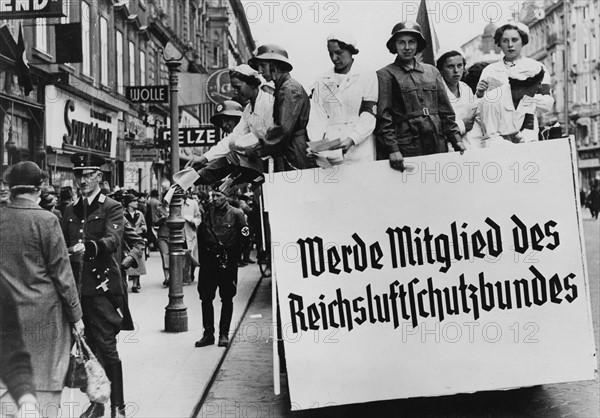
271 53
227 108
410 28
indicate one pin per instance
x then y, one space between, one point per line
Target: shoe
249 261
206 340
139 287
166 283
223 340
135 289
95 410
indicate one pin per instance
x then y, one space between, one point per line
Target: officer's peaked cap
87 161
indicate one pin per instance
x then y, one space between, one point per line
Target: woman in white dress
511 38
343 104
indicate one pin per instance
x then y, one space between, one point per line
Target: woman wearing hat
137 221
414 112
34 267
511 38
343 103
287 140
451 65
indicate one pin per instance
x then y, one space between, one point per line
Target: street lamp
176 319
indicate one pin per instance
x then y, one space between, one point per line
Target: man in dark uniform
220 237
93 229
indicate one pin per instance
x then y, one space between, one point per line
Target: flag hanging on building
22 65
428 32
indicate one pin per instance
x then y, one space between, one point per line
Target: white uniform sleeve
317 120
366 122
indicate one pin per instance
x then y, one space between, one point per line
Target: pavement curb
215 372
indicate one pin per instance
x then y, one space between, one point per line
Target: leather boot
208 317
114 371
95 410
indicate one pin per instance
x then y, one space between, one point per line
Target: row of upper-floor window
131 56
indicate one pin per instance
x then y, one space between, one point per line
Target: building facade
571 38
83 105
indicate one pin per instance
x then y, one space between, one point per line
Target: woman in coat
192 216
137 221
34 266
343 104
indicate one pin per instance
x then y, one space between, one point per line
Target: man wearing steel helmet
227 117
287 140
414 113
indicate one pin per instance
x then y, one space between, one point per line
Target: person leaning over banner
511 38
93 228
255 121
34 267
451 64
287 140
344 101
220 237
509 119
414 113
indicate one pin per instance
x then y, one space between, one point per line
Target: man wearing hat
227 117
287 140
414 112
93 229
219 241
65 197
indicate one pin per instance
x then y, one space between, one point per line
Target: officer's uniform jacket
103 223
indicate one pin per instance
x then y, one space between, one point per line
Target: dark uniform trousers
213 276
102 324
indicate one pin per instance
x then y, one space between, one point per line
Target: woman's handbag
76 375
97 385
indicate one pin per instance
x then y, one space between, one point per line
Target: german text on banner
464 273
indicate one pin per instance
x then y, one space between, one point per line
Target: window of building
66 9
585 94
584 11
120 61
131 63
142 68
585 51
41 36
85 41
104 51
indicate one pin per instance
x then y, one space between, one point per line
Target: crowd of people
66 256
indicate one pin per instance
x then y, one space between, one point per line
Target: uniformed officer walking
219 238
93 228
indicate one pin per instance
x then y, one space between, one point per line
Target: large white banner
464 273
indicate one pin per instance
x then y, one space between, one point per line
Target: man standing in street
93 229
220 237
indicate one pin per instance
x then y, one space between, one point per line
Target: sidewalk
165 375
